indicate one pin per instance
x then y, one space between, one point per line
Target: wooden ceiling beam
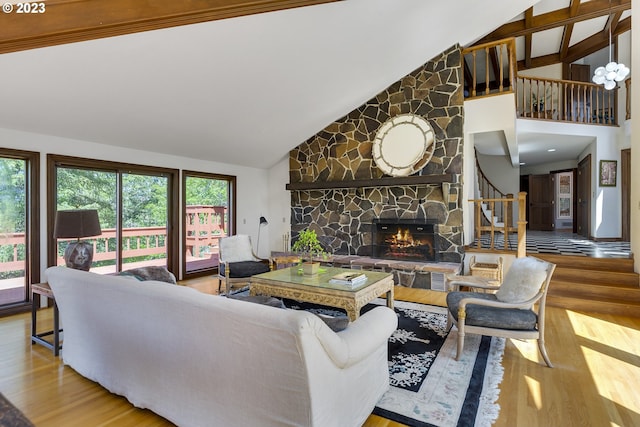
557 18
68 21
528 19
596 42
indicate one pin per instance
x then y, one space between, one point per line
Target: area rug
10 416
429 388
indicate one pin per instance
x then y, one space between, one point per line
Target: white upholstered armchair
516 310
238 262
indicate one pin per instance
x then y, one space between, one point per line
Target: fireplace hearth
410 240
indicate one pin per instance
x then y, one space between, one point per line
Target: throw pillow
158 273
523 280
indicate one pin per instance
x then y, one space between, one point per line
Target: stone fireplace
338 190
407 240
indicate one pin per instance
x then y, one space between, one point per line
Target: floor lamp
263 221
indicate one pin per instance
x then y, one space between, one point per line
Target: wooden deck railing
494 231
205 226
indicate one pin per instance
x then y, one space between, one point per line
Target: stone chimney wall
337 189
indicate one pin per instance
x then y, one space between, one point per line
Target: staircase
598 285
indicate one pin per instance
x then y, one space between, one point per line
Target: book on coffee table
348 278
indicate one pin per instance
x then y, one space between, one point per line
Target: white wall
635 141
496 113
253 184
606 147
279 206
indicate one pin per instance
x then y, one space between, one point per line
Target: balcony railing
490 69
565 100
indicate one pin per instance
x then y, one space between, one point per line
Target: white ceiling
241 91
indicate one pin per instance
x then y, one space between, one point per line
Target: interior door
583 195
541 202
625 180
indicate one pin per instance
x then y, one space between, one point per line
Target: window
137 207
209 214
19 228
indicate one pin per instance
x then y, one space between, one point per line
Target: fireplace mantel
380 182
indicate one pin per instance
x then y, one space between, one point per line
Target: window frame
32 225
54 161
232 180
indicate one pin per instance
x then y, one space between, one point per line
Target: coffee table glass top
321 280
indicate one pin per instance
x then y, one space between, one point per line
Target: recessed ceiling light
522 163
551 150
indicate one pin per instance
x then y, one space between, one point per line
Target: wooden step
592 291
580 275
606 306
588 263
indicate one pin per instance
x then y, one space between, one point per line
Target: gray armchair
516 310
238 262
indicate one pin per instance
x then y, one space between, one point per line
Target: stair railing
505 228
486 190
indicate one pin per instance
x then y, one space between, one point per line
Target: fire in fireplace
410 240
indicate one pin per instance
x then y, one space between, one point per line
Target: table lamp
76 224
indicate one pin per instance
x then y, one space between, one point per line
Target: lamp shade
77 223
263 220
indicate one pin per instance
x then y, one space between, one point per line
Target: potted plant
308 246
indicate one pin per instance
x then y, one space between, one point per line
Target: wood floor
594 383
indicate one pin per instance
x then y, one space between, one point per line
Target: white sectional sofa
205 360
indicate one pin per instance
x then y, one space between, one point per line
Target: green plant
308 245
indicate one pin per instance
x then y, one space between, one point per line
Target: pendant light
613 72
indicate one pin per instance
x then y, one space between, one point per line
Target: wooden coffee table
291 283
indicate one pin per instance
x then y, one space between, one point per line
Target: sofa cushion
244 269
260 299
491 317
158 273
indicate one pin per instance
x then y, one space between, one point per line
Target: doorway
583 196
541 202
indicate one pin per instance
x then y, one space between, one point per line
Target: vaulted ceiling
564 31
242 82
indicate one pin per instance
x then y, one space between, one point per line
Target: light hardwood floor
594 383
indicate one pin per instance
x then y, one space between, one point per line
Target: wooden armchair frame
539 299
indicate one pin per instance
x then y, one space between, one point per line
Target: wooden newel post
522 224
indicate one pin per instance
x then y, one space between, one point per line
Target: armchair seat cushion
244 269
491 317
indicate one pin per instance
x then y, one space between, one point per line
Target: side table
43 290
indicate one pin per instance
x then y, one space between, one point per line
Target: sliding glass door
19 262
136 206
208 217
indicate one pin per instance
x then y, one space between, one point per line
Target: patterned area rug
10 416
428 386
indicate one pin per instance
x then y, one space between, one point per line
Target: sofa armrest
361 338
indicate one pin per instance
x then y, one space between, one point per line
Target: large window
209 214
19 237
136 206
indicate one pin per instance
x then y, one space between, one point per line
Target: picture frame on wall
565 193
608 172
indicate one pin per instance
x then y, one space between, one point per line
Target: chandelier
613 72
